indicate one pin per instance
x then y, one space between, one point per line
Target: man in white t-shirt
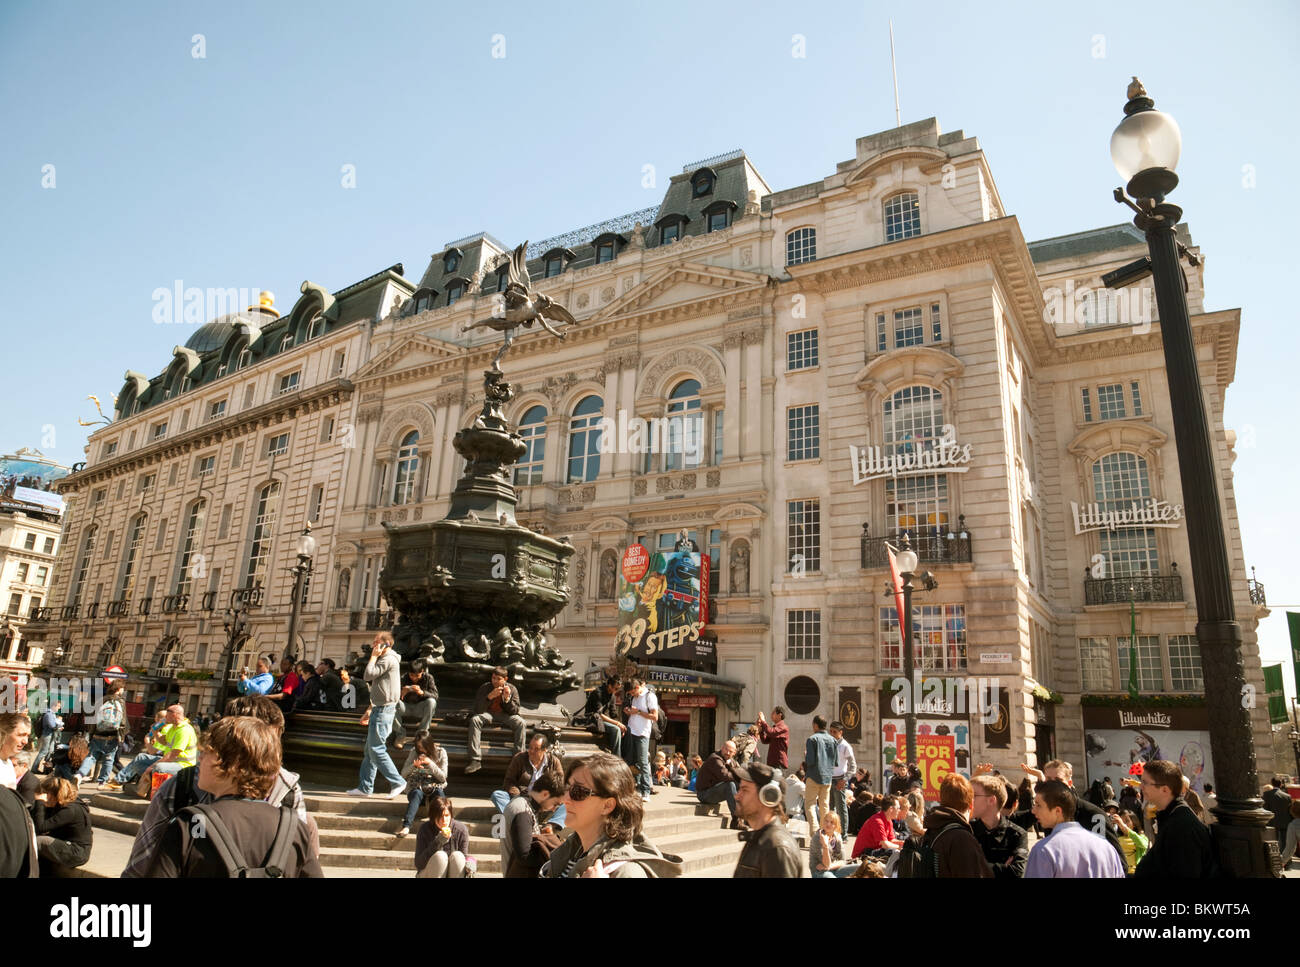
846 765
641 710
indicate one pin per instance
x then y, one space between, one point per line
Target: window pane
1110 401
1118 480
584 440
803 535
909 329
803 433
1151 676
902 216
800 246
801 349
1094 662
803 635
938 638
1185 664
532 427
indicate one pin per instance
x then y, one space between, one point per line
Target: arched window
671 228
455 290
169 656
286 341
316 326
451 260
408 468
131 557
83 566
702 182
800 246
717 216
584 440
263 532
244 655
608 246
189 564
914 423
684 446
532 427
1119 480
902 216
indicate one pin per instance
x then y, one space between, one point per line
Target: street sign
112 672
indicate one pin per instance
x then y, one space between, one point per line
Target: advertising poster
936 757
943 736
1116 740
662 603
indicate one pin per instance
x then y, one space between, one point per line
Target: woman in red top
289 687
877 833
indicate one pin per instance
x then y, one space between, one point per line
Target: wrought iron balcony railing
209 601
940 546
92 611
1134 587
70 612
1256 591
40 615
251 596
145 605
176 603
118 609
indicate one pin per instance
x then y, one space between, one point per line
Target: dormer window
316 327
554 266
455 291
503 277
424 299
554 261
451 261
607 246
718 216
702 183
286 341
671 228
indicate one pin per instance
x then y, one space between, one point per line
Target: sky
208 143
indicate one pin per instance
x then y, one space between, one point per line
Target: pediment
412 353
738 511
679 285
913 364
605 525
917 154
1111 436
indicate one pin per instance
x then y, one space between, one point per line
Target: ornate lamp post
236 624
907 560
306 548
1145 149
6 639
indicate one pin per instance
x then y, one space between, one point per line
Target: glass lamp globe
1144 140
906 562
306 545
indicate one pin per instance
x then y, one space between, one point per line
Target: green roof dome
213 335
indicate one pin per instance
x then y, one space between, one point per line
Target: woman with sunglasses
605 811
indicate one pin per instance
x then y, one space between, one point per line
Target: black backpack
215 831
917 859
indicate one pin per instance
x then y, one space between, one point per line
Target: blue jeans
719 792
43 750
415 798
103 751
501 799
376 751
613 740
425 707
839 874
137 765
639 758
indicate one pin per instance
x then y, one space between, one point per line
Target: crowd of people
221 802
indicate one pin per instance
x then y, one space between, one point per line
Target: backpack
111 718
215 831
917 859
661 720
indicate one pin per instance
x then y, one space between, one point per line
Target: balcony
176 604
119 608
145 605
40 615
209 601
370 620
1256 591
92 611
70 612
1134 587
952 546
250 596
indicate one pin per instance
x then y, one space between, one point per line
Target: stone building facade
874 353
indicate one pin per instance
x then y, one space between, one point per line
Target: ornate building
874 353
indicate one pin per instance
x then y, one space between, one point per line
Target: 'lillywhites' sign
1146 513
946 455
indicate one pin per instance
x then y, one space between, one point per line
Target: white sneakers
397 791
358 794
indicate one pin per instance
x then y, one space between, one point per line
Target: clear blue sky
225 171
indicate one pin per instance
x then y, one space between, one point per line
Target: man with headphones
770 850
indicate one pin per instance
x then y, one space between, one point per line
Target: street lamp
1145 149
1294 736
906 561
236 623
305 547
6 636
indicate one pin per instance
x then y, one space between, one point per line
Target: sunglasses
578 792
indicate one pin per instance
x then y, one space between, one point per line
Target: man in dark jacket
948 832
1005 845
1278 802
17 838
777 737
331 685
496 703
419 695
899 781
718 780
769 850
1183 847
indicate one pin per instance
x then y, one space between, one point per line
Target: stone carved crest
607 293
584 300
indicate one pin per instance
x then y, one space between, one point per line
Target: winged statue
523 307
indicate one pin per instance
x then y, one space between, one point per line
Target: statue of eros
523 307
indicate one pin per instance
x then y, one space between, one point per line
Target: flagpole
893 66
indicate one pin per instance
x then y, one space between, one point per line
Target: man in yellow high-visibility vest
177 742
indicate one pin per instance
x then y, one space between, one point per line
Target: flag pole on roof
893 67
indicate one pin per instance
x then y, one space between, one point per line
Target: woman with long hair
442 846
62 822
425 772
605 812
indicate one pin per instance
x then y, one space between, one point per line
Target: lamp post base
1242 839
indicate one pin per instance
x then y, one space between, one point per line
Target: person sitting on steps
496 703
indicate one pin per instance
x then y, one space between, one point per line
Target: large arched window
1118 480
408 468
684 446
800 246
902 216
584 440
263 532
913 423
532 427
83 565
131 557
189 566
